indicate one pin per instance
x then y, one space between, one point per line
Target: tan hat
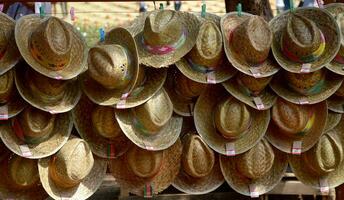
247 88
151 125
336 101
50 95
51 46
146 173
292 124
73 172
247 41
256 171
41 133
332 120
305 40
165 36
227 125
98 126
309 88
9 54
200 171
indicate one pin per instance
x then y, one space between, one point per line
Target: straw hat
144 172
305 36
223 121
207 56
296 123
98 126
200 171
151 125
312 88
9 54
73 172
336 101
183 92
165 36
43 133
246 174
332 120
50 95
246 88
247 40
51 46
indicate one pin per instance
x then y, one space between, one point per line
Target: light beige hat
293 124
305 40
50 95
332 120
146 173
247 41
227 125
51 46
151 125
257 171
200 171
336 101
9 54
98 126
247 88
36 134
73 172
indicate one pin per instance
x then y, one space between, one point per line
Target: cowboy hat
292 123
227 125
144 172
247 41
73 172
305 40
151 125
332 120
51 46
256 171
336 101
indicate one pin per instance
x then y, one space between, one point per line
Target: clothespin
239 9
72 13
102 34
291 4
41 11
204 8
161 6
320 3
1 7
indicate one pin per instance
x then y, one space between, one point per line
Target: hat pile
175 99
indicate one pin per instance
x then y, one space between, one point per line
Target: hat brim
78 53
336 104
332 120
324 21
205 126
228 22
14 105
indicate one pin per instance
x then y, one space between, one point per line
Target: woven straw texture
332 120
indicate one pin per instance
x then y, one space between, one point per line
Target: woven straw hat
247 41
73 172
144 172
312 88
98 126
332 120
51 46
50 95
305 36
223 121
200 171
245 173
43 133
245 88
151 125
296 123
336 101
9 54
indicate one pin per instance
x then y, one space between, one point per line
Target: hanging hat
200 171
50 95
247 88
257 171
307 88
151 125
227 125
336 101
144 172
9 54
332 120
42 133
305 40
292 124
247 41
98 126
51 46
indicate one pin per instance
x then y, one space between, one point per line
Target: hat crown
340 22
232 118
23 172
306 84
255 85
197 159
188 88
110 66
4 39
6 86
104 122
256 162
